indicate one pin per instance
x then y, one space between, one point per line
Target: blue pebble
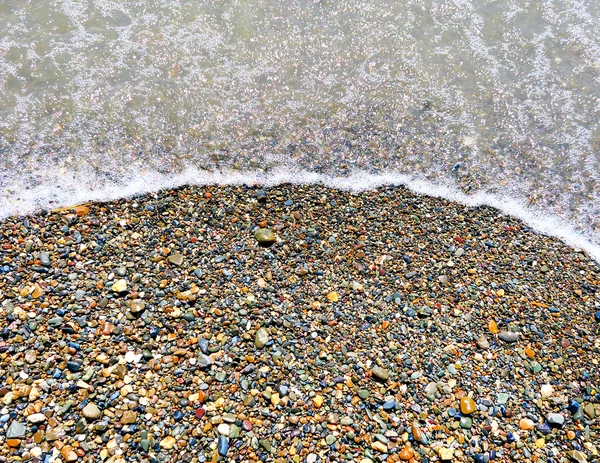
510 437
479 458
597 316
389 405
544 428
178 415
289 202
57 374
574 406
223 445
154 332
114 395
74 345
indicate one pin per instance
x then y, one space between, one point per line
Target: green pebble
466 422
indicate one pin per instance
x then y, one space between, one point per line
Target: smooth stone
223 445
262 338
380 373
389 405
129 417
119 286
36 418
445 453
265 237
229 418
91 411
363 394
168 443
204 361
175 259
45 259
508 336
576 456
590 411
189 316
234 432
418 435
406 453
556 419
73 366
467 405
247 425
466 422
137 306
16 430
526 424
482 342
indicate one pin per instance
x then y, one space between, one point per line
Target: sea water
480 101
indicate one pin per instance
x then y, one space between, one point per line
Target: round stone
265 237
467 405
91 411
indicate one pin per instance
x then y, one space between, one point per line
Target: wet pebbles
294 324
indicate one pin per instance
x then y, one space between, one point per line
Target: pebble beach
294 324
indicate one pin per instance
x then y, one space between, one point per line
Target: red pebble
200 412
247 425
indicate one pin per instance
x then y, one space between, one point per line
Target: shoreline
156 327
358 182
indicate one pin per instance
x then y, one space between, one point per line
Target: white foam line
358 181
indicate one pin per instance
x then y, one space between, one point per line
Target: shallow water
107 98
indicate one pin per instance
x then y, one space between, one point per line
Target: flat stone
129 417
576 456
556 419
223 445
380 373
119 286
36 418
526 424
445 453
16 430
590 411
262 338
508 336
168 443
137 307
265 237
91 411
204 361
45 259
175 259
482 342
466 422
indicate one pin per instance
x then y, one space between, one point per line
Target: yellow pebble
318 401
467 405
540 442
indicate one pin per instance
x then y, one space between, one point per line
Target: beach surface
294 324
